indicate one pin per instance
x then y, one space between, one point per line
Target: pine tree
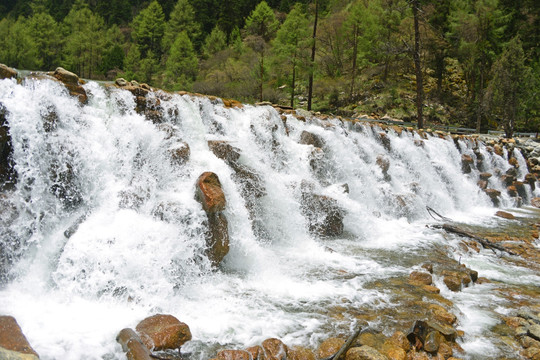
148 30
47 40
291 46
182 64
262 26
214 42
182 18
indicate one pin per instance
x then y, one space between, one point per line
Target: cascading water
103 229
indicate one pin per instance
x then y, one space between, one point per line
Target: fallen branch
484 242
345 346
431 212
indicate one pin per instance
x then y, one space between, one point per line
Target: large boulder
162 332
211 196
209 193
7 73
13 343
7 173
72 83
324 215
233 355
307 138
329 347
224 151
275 349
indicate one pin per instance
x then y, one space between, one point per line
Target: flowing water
102 229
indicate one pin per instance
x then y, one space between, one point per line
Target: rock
508 179
445 350
442 315
255 352
179 153
432 341
274 349
513 161
466 162
498 149
485 176
132 345
364 353
512 191
13 343
420 278
505 215
7 73
161 332
210 193
520 188
384 164
307 138
482 184
532 353
493 195
324 215
512 172
7 171
329 347
395 354
452 282
121 82
72 83
300 353
420 330
217 237
534 331
224 151
535 202
233 355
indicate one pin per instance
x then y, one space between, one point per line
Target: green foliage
510 87
182 18
215 42
17 47
262 22
182 64
46 40
148 30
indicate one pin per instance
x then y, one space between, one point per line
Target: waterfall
103 228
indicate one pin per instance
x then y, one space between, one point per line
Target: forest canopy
477 62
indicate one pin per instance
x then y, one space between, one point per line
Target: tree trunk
293 85
480 102
261 77
418 67
313 48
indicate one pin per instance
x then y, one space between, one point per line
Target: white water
123 262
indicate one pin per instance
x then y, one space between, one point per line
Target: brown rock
209 193
364 353
440 314
233 355
300 353
420 278
324 215
274 349
72 83
7 73
255 351
431 289
13 342
498 149
482 184
512 191
505 215
329 347
432 341
445 350
217 238
132 345
396 354
428 267
180 153
452 282
485 176
532 353
162 332
513 161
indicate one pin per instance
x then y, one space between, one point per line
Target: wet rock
428 267
274 349
452 282
420 278
535 202
121 82
364 353
255 352
432 341
233 355
132 345
209 193
527 341
512 191
307 138
466 162
534 331
384 164
161 332
179 153
385 141
7 172
482 184
505 215
72 83
442 315
532 353
300 353
224 151
485 176
512 172
329 347
493 195
508 179
217 237
13 343
445 350
324 215
7 73
520 188
420 330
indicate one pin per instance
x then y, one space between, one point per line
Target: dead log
484 242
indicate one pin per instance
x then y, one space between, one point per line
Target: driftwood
345 346
485 243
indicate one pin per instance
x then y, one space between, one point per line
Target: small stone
534 331
121 82
431 289
428 267
445 350
485 176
